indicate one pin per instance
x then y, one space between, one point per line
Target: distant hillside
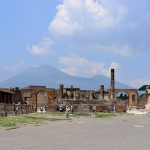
52 77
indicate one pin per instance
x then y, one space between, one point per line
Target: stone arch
37 100
133 95
124 94
42 98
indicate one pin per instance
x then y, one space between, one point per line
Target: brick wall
10 109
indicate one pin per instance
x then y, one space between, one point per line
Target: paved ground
116 133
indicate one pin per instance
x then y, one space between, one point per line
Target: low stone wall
142 102
121 108
99 107
9 108
14 109
52 108
102 108
83 109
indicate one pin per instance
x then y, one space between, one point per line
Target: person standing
94 109
60 107
41 108
71 109
16 110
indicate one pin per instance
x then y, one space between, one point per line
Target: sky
80 37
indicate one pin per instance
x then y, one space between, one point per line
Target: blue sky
80 37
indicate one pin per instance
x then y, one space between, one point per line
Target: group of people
111 108
43 108
69 109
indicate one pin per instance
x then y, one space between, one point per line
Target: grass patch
107 114
12 122
56 113
74 114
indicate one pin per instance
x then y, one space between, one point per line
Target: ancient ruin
103 99
110 99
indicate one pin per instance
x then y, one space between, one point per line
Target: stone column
61 91
74 95
72 92
102 91
112 85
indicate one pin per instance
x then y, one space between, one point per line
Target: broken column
71 92
102 91
61 88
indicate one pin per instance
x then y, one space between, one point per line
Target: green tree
125 96
121 96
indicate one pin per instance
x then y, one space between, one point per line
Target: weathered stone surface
11 108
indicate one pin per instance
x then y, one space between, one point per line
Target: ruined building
10 95
102 95
101 98
38 95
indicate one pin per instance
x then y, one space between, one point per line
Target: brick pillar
71 92
61 91
102 91
112 85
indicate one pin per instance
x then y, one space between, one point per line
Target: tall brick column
112 85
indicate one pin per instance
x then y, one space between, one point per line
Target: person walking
67 112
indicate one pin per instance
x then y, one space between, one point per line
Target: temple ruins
103 99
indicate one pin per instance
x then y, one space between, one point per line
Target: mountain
52 77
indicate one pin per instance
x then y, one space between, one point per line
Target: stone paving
127 132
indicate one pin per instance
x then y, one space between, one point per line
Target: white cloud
114 65
120 50
137 83
36 50
79 66
76 15
42 48
91 20
101 25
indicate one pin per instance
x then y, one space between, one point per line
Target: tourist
114 108
16 110
67 112
94 109
60 107
71 109
45 108
41 108
130 107
109 108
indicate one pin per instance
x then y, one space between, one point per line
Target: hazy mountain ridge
52 77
